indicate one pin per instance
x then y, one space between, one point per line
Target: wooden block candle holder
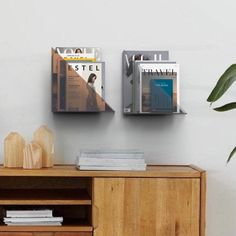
44 137
32 156
13 150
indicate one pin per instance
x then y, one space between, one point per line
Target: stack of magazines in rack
31 218
111 160
150 83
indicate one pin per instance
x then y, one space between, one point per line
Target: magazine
128 59
79 53
136 88
159 87
85 86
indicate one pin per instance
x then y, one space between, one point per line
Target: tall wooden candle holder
13 150
44 137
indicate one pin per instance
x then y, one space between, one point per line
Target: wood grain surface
147 207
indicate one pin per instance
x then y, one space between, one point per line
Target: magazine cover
161 95
92 73
77 86
152 76
79 53
85 86
136 86
128 59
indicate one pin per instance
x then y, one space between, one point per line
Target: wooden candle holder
32 156
44 137
13 150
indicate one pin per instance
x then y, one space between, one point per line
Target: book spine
112 155
126 168
35 224
110 162
32 219
23 214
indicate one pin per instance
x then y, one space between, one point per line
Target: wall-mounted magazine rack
150 84
78 81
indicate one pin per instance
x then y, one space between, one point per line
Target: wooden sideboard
161 201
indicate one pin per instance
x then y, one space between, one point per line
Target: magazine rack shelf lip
83 112
181 112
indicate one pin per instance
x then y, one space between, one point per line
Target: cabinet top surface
171 171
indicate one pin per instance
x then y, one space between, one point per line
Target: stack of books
32 218
111 160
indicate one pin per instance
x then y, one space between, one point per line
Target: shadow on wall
113 130
75 130
153 122
86 120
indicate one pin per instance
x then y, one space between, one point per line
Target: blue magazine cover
161 95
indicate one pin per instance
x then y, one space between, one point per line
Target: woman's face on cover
94 78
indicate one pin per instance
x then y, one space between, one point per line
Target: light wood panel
147 207
15 234
25 229
43 234
70 170
47 234
203 204
73 234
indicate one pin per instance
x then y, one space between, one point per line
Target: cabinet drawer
46 234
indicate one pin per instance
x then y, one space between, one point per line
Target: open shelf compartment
68 197
44 197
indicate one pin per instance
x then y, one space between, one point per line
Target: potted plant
222 85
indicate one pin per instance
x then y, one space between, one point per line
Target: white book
29 213
33 219
109 162
112 154
132 168
35 224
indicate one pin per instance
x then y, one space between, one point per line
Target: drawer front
15 234
46 234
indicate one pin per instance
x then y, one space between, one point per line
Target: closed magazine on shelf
157 87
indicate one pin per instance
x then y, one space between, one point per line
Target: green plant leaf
231 155
226 107
224 82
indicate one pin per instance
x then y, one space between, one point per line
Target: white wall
201 36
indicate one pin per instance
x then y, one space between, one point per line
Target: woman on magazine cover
92 97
